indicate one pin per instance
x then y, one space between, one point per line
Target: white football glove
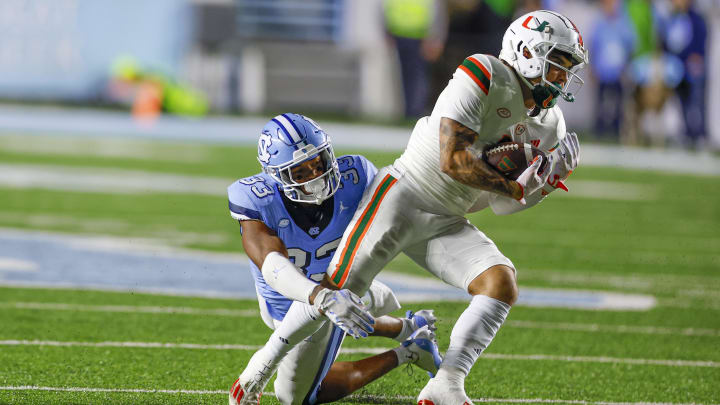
567 158
530 180
346 310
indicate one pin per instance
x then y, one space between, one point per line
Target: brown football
512 158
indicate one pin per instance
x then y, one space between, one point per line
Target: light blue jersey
259 198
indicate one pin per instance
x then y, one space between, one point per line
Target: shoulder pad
479 69
248 196
347 161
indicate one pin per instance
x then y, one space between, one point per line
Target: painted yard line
369 350
592 359
684 303
642 282
105 180
132 309
142 345
122 181
581 327
592 327
357 398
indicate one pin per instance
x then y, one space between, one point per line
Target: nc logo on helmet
264 143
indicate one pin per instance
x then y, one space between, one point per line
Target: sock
300 322
474 330
451 375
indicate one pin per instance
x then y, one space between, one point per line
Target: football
512 158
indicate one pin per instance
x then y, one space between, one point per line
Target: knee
496 282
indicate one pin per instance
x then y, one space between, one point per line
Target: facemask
545 96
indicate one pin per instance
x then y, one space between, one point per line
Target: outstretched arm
269 254
466 166
343 307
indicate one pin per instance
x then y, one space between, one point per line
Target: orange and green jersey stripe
358 233
477 72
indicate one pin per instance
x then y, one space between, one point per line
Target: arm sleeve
284 277
465 98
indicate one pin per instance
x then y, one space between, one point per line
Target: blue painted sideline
41 259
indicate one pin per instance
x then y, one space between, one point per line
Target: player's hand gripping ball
512 158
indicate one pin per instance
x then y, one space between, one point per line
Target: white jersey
483 95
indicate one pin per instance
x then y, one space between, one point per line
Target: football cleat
238 396
437 392
423 350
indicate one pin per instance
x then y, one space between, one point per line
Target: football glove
530 180
345 309
567 157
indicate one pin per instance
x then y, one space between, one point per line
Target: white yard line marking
17 265
593 359
90 389
142 345
121 181
370 350
373 398
593 327
564 326
132 309
610 190
114 181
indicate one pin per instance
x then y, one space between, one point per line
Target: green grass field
647 233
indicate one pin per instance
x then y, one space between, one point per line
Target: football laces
503 148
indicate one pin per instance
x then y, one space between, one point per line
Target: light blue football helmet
290 139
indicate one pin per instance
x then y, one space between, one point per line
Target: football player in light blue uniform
292 217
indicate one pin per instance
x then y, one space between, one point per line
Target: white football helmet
542 32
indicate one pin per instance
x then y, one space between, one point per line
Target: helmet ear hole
526 53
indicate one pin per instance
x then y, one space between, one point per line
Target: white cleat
438 392
248 388
238 396
423 350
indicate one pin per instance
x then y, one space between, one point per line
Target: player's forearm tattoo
463 164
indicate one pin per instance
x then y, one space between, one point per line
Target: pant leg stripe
336 336
358 232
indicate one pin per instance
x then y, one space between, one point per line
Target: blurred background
650 80
122 122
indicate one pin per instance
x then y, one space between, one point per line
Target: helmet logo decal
541 26
264 143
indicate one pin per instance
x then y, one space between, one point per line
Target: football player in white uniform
417 205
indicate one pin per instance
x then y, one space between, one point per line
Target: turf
666 245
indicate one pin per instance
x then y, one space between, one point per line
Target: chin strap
544 96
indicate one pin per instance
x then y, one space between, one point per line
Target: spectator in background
612 45
653 76
641 16
475 26
419 30
684 35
